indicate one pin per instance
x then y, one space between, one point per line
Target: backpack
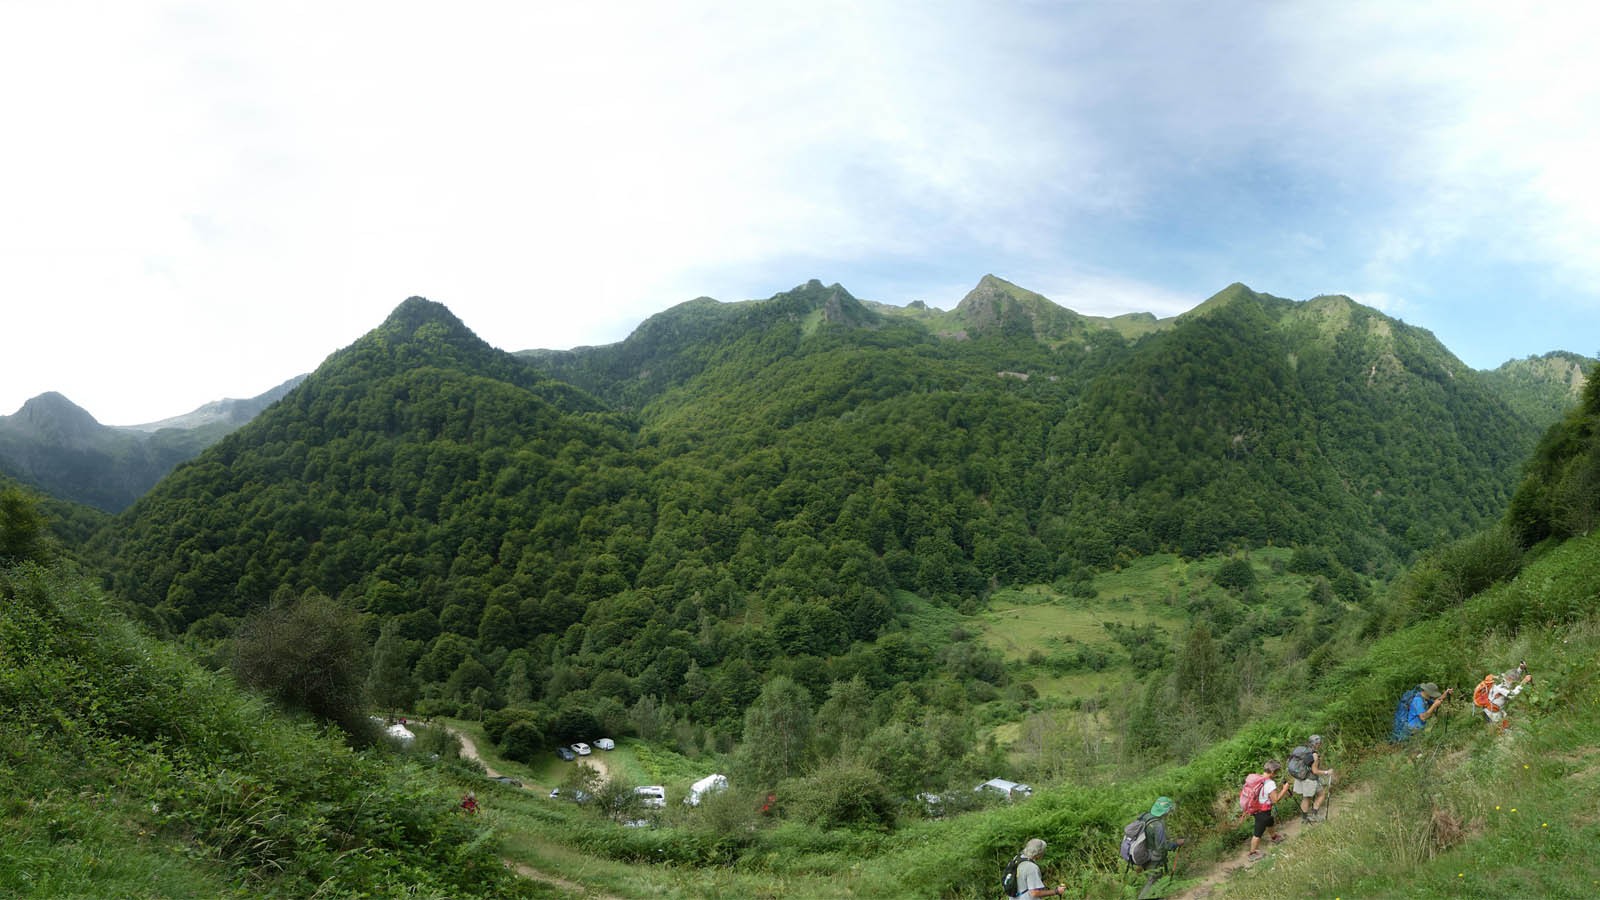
1134 849
1402 715
1300 763
1008 878
1480 694
1250 794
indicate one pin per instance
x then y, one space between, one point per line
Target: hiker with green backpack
1145 844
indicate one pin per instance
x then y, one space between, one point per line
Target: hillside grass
1458 811
131 772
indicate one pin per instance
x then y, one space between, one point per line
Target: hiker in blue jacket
1424 703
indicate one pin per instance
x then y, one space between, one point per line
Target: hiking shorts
1264 820
1307 787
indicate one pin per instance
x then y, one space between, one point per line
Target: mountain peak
997 305
51 415
415 312
53 407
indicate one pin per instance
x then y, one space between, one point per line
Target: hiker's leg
1148 891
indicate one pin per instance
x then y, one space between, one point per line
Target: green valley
859 560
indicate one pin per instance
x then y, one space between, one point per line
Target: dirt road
469 749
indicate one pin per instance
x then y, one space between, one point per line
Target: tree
309 654
776 728
390 683
1236 575
22 535
1202 677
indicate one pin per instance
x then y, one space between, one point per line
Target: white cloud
211 197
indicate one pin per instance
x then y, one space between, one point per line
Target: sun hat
1161 807
1429 690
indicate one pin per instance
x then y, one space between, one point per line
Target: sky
203 200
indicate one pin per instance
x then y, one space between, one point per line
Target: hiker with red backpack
1256 798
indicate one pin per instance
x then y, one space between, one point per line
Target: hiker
1029 883
1493 694
1311 780
1416 709
470 802
1155 845
1257 798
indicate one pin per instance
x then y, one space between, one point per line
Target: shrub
840 795
310 655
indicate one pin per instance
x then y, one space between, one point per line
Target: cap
1161 807
1429 690
1033 848
1316 740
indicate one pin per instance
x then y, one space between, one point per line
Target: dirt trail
1291 828
527 871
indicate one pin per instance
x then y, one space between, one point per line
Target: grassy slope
1459 811
130 772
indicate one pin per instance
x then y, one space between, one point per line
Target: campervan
706 786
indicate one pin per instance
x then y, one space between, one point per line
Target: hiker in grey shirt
1029 882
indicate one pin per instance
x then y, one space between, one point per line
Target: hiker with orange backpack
1256 798
1493 693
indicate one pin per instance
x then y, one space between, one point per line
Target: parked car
580 748
1011 790
566 754
506 779
606 744
579 797
652 795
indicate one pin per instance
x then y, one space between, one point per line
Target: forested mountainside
754 489
58 447
1542 388
67 525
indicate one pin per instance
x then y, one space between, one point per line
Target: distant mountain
59 448
228 413
1543 388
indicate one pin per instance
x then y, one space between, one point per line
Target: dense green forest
764 489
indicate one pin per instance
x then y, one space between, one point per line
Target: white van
653 795
710 784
